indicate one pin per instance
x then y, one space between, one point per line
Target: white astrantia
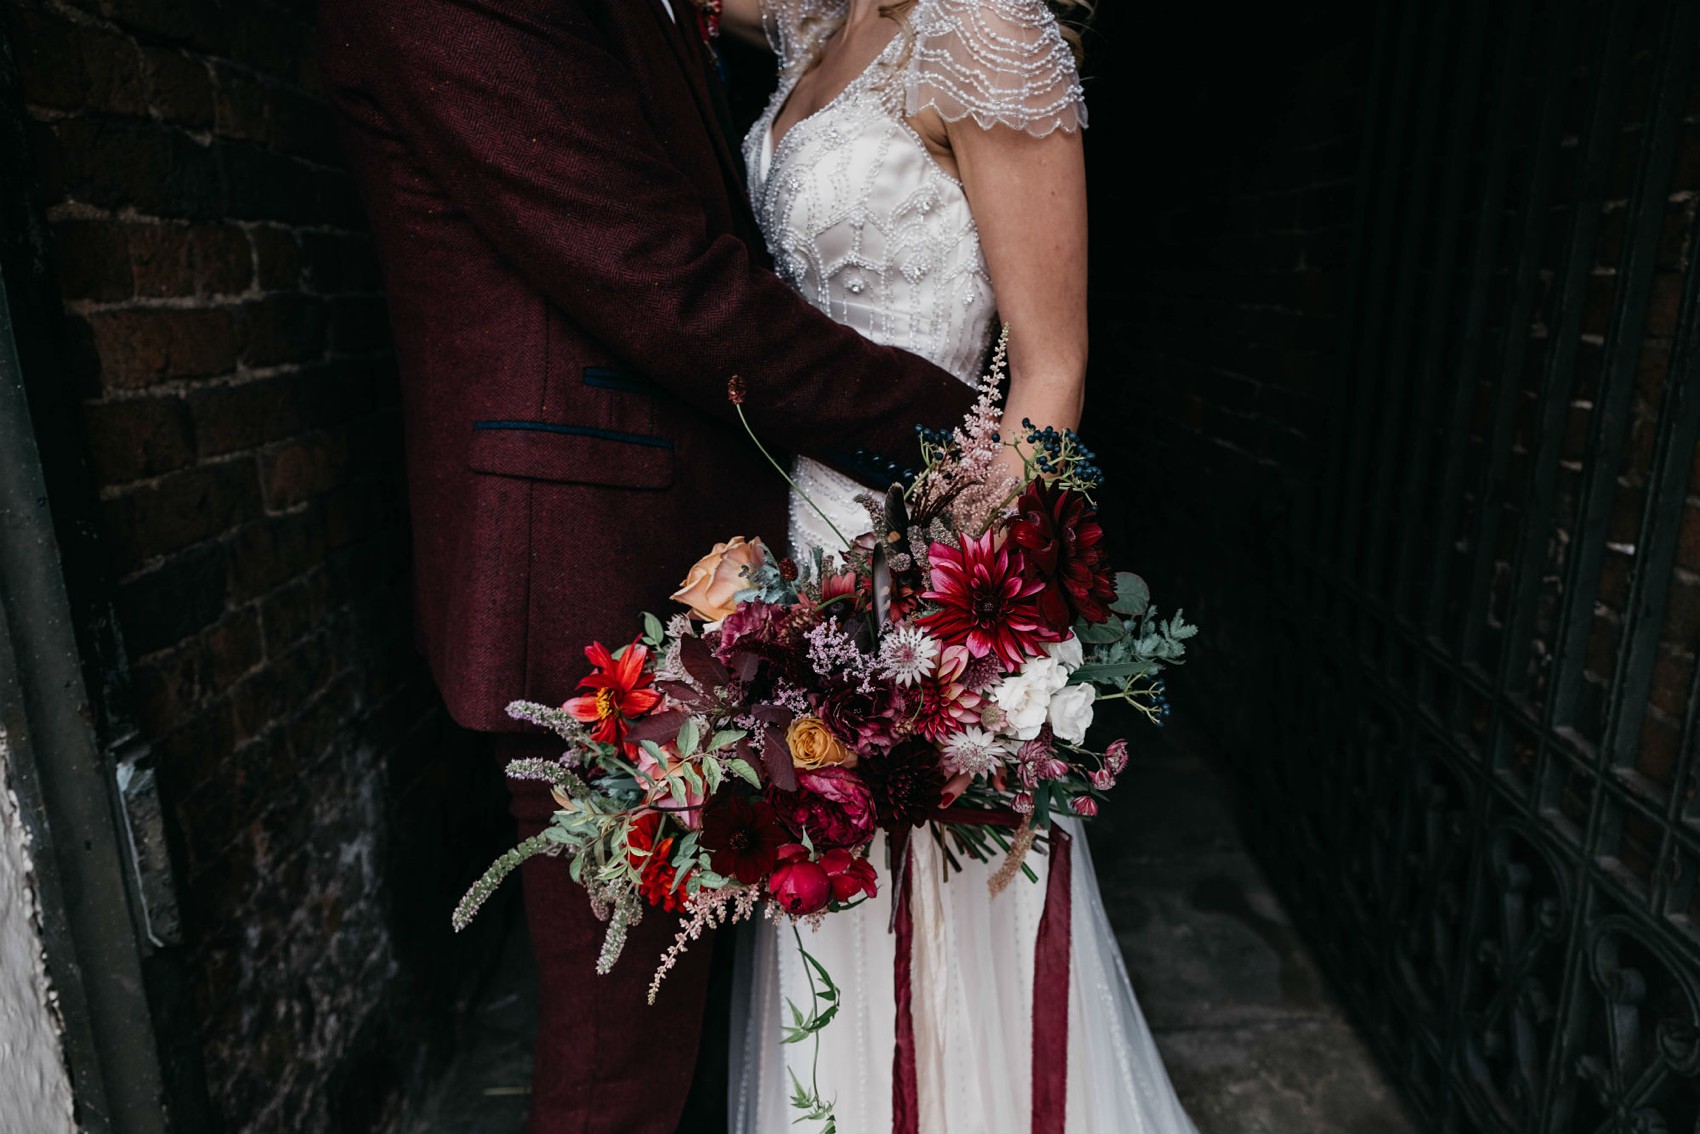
1025 697
1071 712
907 654
1069 653
973 751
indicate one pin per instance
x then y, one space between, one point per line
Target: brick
93 258
172 686
143 346
180 509
279 258
72 67
275 550
149 167
179 87
282 327
165 606
136 438
190 260
229 418
303 469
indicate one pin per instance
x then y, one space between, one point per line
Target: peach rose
716 577
813 746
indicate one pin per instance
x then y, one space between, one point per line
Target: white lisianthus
1071 713
1025 697
1069 653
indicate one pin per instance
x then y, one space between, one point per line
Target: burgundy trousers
605 1060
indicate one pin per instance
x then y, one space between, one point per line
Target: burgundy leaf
701 663
659 727
777 760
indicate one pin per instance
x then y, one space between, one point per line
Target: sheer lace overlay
862 220
999 62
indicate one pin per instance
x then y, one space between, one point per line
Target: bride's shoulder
999 62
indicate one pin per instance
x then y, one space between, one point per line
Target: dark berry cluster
1060 451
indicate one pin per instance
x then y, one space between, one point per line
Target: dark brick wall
1222 173
227 338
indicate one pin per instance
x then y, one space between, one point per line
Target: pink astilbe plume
971 482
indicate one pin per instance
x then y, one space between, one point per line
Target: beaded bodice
860 217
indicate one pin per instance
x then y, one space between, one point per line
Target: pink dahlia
947 706
985 602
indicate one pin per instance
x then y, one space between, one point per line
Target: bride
918 176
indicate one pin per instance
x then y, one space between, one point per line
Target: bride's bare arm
1028 195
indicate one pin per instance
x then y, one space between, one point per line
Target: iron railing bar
1363 201
1390 357
1362 394
1643 225
1559 52
1438 307
1661 522
1564 336
1644 221
1484 245
1676 806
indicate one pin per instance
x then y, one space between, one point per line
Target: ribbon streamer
1051 952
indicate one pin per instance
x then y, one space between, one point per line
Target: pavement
1253 1039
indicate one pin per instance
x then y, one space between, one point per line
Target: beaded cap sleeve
999 62
795 28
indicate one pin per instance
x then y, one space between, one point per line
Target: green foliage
824 1004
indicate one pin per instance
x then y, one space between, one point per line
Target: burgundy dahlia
743 837
986 602
831 805
907 783
1062 543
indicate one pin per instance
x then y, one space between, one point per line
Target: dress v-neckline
771 144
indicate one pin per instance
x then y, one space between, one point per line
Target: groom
573 274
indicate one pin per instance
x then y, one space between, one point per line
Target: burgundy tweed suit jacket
573 273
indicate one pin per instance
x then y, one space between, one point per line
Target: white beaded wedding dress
864 223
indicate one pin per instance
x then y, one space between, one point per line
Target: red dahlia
1062 542
744 838
986 602
658 881
619 692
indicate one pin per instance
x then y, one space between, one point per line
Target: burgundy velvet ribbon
1050 982
1050 993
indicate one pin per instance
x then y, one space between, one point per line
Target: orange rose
812 746
716 577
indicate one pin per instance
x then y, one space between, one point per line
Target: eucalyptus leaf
743 770
1132 595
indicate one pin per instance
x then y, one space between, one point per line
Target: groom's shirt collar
668 4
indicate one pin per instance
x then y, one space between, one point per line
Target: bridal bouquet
935 675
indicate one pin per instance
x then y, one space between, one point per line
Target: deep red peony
799 886
849 875
743 837
831 804
620 692
1062 542
658 882
986 602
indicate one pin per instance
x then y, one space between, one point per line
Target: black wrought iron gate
1484 798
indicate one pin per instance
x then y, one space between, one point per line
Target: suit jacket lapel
682 38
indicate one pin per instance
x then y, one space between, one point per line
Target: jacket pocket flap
571 454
